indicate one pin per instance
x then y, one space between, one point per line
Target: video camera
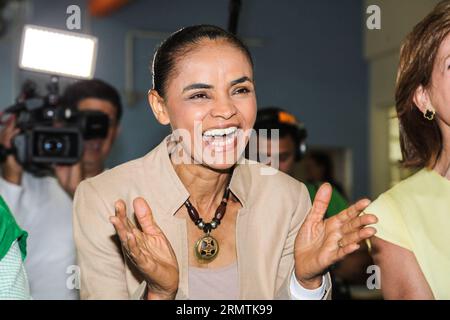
50 132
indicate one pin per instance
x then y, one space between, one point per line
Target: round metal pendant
206 248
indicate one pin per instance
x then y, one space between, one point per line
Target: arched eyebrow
240 80
195 86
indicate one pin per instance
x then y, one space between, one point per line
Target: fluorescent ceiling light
58 52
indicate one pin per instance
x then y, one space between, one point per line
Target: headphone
277 118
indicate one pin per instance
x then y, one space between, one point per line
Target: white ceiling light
58 52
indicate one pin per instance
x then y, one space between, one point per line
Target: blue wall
311 63
7 66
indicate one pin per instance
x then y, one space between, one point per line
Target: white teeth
221 142
219 132
220 138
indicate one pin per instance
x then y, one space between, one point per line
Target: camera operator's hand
11 169
69 177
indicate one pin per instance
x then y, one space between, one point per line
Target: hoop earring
429 115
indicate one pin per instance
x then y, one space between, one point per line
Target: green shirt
10 232
13 278
337 202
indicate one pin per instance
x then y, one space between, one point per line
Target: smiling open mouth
222 138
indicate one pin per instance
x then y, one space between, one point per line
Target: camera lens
53 146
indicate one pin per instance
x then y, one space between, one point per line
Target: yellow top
415 214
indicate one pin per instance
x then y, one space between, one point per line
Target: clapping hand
148 249
321 243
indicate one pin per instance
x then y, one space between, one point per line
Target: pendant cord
207 247
219 214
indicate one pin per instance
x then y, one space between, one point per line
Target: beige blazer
273 208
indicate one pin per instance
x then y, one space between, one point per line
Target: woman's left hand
321 243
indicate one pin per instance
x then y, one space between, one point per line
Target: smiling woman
206 223
211 106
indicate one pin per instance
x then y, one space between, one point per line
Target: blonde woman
412 243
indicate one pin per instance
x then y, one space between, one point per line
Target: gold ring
340 244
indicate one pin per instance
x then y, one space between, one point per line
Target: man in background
291 150
43 205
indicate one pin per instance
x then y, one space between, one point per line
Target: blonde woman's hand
321 243
148 248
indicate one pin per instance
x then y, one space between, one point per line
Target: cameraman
43 205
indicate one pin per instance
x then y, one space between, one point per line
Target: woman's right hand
11 169
148 249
